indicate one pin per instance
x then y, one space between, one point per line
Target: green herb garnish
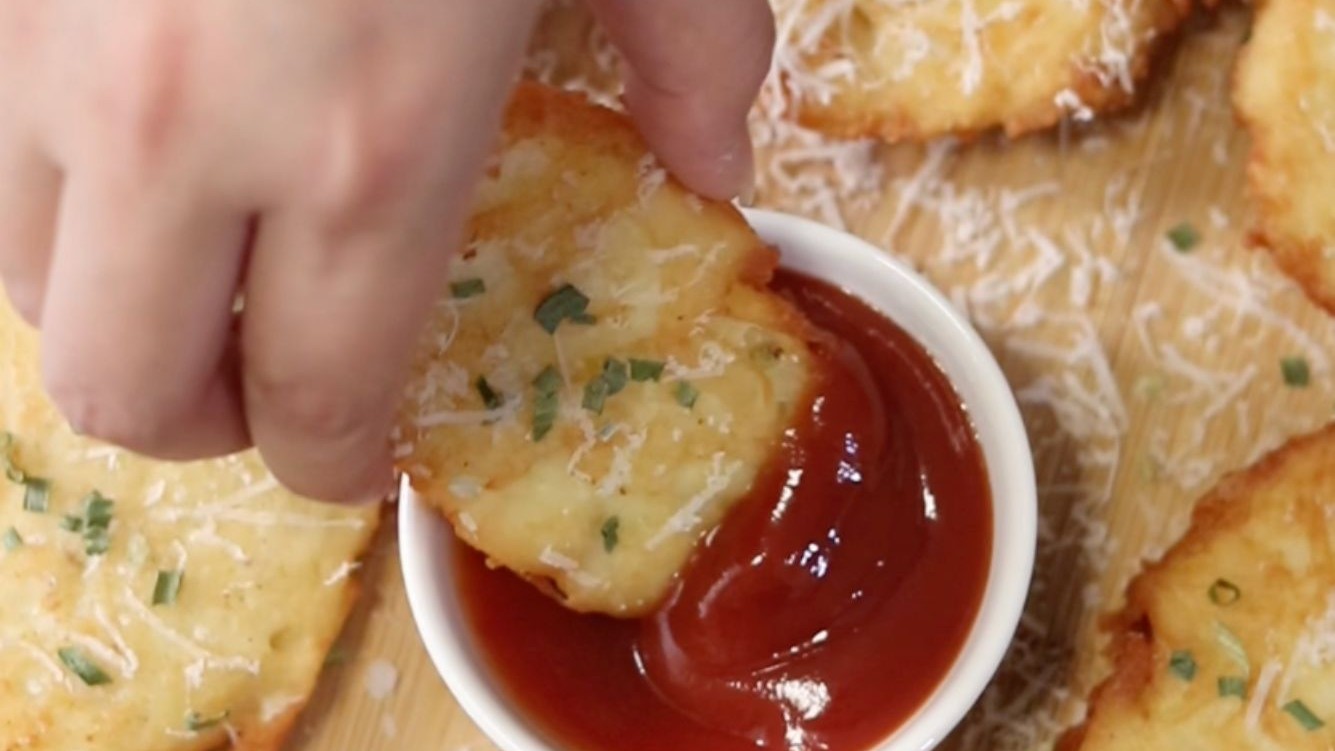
546 401
1183 237
466 288
1232 685
96 542
685 394
97 511
195 723
1224 592
167 587
1304 716
616 375
86 669
584 319
611 532
1183 665
490 399
36 494
1297 373
611 381
12 541
12 471
565 302
71 523
36 490
646 370
595 395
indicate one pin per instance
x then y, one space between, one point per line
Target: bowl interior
912 303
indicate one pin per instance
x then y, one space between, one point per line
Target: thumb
694 68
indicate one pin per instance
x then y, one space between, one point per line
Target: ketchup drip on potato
820 615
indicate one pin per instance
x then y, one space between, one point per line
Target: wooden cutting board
1144 373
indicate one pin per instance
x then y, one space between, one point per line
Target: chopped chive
96 542
1296 371
565 302
167 587
1224 592
584 319
36 494
490 399
1183 237
466 288
12 541
611 532
12 472
595 395
196 723
86 669
71 523
686 394
97 511
548 380
615 374
646 370
546 401
1233 646
1183 665
1304 716
1232 685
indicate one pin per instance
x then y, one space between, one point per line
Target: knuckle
103 411
367 160
316 409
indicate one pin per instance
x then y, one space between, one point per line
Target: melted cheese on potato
605 507
919 69
232 657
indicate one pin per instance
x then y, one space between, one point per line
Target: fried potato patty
1285 96
154 606
1229 641
924 68
606 373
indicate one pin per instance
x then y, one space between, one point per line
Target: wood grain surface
1144 372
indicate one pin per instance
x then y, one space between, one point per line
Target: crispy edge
273 736
1099 97
1131 650
1298 258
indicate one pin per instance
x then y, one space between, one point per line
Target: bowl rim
883 282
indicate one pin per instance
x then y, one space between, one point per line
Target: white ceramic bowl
919 309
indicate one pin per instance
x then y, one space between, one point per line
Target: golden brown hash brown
1228 642
923 68
149 605
1285 96
590 458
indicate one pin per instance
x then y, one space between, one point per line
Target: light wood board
1073 286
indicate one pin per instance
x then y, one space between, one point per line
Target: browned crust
1094 94
1220 511
1299 258
274 735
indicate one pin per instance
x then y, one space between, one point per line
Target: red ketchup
820 615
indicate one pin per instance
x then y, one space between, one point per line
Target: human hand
158 156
